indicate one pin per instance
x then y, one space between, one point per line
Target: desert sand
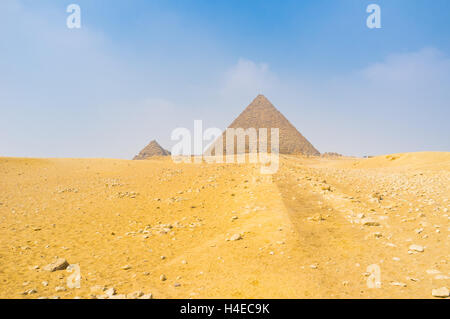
224 230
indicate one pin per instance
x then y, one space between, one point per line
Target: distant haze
136 71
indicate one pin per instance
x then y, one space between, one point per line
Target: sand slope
302 229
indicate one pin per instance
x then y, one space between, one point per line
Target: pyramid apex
152 149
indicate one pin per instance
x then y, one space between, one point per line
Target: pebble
59 264
440 292
235 237
369 222
417 248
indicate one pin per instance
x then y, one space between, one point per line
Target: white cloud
248 78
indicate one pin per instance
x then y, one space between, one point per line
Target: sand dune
225 230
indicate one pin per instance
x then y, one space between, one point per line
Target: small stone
110 292
45 283
126 267
60 289
146 296
163 277
31 292
369 222
417 248
59 264
177 285
235 237
440 292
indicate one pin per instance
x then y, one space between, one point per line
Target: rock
163 277
417 248
45 283
30 292
369 222
59 264
440 292
126 267
146 296
110 292
60 289
235 237
177 285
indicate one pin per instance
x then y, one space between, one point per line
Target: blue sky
136 70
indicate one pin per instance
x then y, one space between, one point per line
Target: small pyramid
152 149
262 114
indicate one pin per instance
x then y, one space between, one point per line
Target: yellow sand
302 232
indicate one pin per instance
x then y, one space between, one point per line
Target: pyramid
262 114
152 149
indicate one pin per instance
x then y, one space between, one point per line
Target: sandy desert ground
224 230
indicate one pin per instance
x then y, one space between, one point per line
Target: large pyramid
262 114
152 149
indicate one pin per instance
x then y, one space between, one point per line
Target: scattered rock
110 292
59 264
417 248
440 292
235 237
369 222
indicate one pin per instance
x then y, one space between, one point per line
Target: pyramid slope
152 149
262 114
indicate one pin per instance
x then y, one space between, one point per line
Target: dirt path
329 213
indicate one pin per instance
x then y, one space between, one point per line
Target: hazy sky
136 70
